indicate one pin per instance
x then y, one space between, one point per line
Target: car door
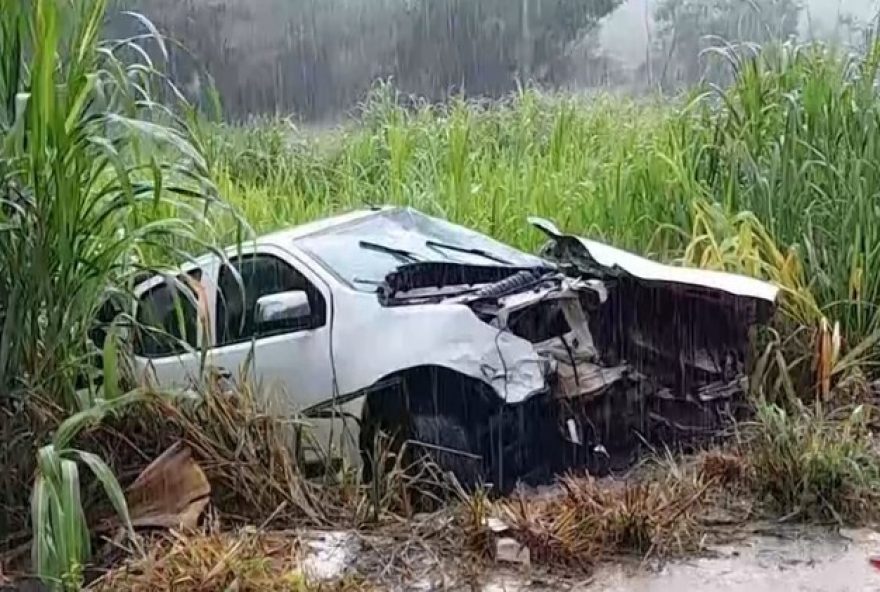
291 363
172 325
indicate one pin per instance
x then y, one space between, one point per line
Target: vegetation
88 163
812 463
88 167
248 561
774 175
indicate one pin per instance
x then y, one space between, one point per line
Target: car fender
372 342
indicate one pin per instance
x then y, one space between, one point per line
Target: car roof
320 226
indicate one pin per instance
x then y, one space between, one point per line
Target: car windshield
362 253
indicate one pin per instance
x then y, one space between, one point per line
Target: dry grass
583 520
243 561
249 456
252 458
807 464
724 467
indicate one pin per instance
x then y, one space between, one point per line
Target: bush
813 464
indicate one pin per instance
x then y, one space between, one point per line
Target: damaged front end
660 356
633 352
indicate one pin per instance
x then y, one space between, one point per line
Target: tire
453 447
434 416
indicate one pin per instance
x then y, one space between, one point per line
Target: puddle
760 564
763 564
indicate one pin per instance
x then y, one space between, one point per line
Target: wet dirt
795 561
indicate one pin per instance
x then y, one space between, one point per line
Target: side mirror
285 310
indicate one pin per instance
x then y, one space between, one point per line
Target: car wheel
450 445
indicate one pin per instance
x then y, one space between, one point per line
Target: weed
94 177
812 463
62 542
587 520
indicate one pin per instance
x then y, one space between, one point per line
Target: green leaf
76 423
154 32
157 181
76 109
160 134
73 532
111 363
110 484
42 555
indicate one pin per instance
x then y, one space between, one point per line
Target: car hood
605 260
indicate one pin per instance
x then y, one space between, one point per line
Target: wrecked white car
500 365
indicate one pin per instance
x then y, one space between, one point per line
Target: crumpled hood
685 329
605 260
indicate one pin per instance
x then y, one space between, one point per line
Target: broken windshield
362 253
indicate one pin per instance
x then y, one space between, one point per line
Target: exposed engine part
508 285
423 278
540 322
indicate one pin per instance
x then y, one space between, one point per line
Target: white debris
496 525
330 555
509 550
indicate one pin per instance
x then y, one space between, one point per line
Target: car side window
258 276
167 318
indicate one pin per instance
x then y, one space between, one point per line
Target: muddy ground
760 558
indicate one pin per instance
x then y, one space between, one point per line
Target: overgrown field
775 176
106 172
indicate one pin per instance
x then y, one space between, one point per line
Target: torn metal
631 351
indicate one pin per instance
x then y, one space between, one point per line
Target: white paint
647 269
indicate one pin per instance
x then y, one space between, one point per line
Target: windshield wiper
469 251
399 253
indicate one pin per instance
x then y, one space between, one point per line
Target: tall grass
90 166
813 463
595 166
795 142
775 176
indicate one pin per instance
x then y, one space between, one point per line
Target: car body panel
381 341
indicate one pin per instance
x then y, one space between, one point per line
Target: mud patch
802 563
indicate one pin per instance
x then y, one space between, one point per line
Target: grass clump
585 520
244 560
813 464
95 178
